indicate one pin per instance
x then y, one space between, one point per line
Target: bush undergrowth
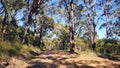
9 49
109 48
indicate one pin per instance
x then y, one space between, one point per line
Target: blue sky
101 32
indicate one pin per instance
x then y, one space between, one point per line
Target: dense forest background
71 25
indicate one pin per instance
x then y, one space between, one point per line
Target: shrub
8 49
108 48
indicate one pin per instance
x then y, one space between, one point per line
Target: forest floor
63 59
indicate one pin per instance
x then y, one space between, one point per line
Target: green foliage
62 36
48 44
46 24
79 42
56 42
14 5
82 44
8 49
109 48
100 42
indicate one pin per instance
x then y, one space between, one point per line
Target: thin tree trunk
94 37
35 32
72 45
40 39
94 28
27 28
28 25
107 25
25 34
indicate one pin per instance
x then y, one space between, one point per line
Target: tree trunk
94 30
72 45
25 35
94 37
40 39
107 26
27 28
35 32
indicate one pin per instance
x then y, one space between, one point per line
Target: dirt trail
63 59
